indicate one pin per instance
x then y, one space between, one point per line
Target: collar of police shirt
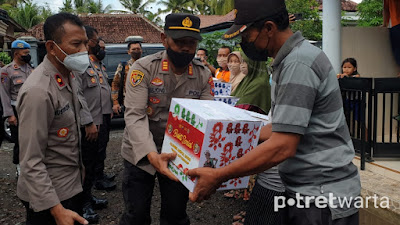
178 77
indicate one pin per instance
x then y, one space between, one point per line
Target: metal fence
371 106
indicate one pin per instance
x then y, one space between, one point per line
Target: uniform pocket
18 80
63 127
62 135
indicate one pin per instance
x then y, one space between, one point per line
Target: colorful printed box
222 88
208 134
230 100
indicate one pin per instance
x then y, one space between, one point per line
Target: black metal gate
372 108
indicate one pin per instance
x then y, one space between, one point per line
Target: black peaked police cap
249 11
179 25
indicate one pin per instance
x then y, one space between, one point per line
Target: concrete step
384 183
386 168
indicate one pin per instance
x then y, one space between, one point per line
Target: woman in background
234 61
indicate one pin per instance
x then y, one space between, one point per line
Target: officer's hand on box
65 216
91 132
160 163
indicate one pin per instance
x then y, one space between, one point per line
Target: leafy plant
213 41
5 58
311 25
370 12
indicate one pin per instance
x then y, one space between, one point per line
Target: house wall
370 46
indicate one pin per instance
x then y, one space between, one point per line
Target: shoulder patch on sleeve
136 77
198 63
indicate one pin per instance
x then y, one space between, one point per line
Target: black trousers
104 137
314 216
89 158
45 217
137 188
260 209
14 139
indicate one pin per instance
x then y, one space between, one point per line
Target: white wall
370 46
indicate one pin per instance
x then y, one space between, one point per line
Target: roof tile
113 28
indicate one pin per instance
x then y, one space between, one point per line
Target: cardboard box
208 133
230 100
222 88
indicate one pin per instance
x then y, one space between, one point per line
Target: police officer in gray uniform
13 76
48 105
151 83
97 97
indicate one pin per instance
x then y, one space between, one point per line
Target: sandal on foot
239 216
229 194
239 222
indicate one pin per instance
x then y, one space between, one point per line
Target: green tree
213 41
68 6
5 58
221 7
370 12
176 6
27 14
85 6
311 25
94 6
154 17
136 6
45 12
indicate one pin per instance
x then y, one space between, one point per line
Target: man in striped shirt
308 135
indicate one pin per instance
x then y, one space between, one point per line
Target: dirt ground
217 210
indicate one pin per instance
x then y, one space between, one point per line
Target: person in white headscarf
234 62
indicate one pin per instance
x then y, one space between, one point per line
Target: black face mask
136 55
98 52
101 54
26 58
252 52
180 59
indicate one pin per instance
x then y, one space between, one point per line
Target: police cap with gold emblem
179 25
20 44
249 11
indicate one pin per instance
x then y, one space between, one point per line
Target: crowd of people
60 115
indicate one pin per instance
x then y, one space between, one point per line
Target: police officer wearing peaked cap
151 83
13 77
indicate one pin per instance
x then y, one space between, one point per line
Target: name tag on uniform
62 110
160 90
194 93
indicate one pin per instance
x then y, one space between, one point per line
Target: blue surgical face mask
77 62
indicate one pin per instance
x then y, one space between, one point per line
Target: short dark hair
13 51
281 19
203 49
224 46
54 26
90 31
134 42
